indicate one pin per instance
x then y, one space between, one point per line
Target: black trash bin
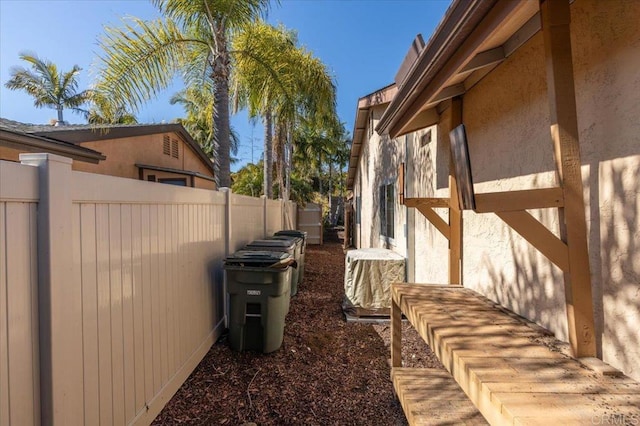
258 283
299 234
286 246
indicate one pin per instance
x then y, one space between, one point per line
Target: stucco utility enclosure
504 102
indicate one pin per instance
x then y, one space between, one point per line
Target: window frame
386 205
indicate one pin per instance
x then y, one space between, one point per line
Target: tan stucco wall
122 155
507 120
379 159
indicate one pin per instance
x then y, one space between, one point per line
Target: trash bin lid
293 232
284 245
255 258
297 240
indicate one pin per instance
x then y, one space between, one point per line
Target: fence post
228 248
59 295
265 212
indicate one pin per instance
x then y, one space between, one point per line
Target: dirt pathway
327 372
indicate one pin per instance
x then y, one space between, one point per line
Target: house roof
74 134
379 97
90 133
471 40
13 135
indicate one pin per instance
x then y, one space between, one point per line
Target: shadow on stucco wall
386 158
618 301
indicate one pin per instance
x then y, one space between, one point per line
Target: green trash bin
299 234
286 246
258 284
298 252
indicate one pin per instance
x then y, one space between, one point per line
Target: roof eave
19 141
381 96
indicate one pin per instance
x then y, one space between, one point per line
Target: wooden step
431 396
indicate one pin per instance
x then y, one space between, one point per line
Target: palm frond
142 59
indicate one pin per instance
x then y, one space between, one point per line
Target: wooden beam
401 183
520 37
448 93
555 17
455 214
396 333
485 59
538 235
493 202
427 202
436 220
425 118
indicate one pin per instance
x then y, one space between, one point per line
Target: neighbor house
552 124
164 153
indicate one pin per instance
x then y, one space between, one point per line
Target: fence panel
274 216
19 358
247 220
150 259
291 216
134 269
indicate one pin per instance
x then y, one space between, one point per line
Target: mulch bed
327 371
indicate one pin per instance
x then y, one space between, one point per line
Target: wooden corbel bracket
425 206
512 208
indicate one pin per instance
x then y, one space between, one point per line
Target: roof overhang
377 98
32 143
471 40
78 135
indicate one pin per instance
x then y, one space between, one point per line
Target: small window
166 145
174 148
174 181
387 208
151 178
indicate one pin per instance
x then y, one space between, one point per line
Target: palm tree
48 86
199 107
105 111
193 39
284 84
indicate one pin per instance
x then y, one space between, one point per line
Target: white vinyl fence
111 289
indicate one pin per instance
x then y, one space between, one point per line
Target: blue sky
361 41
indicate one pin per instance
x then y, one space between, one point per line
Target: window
174 181
386 206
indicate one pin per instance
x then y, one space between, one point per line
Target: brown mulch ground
327 372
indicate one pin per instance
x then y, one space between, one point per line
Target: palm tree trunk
330 191
279 148
222 133
60 118
320 173
268 155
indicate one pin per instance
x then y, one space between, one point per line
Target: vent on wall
425 139
174 148
166 145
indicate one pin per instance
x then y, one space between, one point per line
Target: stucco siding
507 118
508 124
124 153
606 40
379 161
428 248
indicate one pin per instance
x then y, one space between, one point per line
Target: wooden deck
505 365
